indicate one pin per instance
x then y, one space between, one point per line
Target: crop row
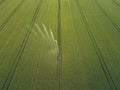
21 50
2 26
116 27
97 50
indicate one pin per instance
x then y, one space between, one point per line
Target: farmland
87 34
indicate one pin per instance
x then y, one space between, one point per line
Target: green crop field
59 44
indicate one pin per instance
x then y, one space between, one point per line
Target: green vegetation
87 34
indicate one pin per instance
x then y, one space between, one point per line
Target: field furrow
59 45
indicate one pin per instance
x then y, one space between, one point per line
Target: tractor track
21 50
116 26
40 57
116 3
59 57
97 50
36 71
2 26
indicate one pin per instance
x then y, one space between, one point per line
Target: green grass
87 31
